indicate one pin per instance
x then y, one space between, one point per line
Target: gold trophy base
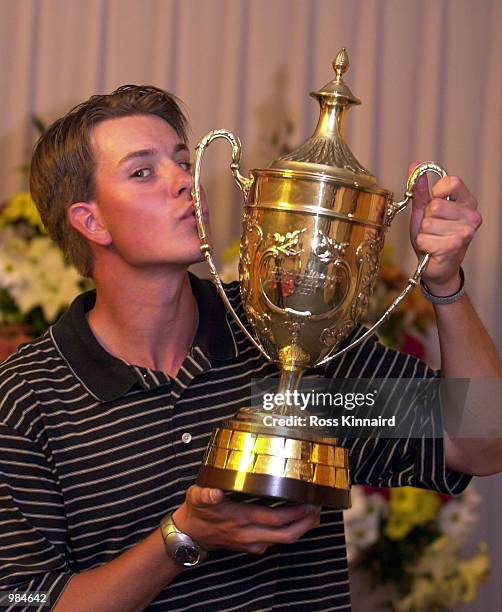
292 464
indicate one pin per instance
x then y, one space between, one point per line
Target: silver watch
180 546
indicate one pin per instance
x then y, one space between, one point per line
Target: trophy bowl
314 225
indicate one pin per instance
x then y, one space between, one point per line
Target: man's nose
181 182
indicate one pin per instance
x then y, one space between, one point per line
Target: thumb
204 496
420 190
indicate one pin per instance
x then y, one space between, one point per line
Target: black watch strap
445 299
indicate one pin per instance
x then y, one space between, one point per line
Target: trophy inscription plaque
313 229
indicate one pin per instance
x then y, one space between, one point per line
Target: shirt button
186 438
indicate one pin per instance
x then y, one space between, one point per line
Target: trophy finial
337 91
327 147
341 63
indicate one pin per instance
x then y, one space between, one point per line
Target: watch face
187 555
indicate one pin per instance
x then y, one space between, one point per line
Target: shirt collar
106 377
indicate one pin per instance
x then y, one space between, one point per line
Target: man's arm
126 584
444 227
468 352
33 535
132 580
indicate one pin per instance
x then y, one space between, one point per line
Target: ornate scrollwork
285 245
282 246
326 249
322 150
332 336
261 323
250 228
367 261
293 357
294 325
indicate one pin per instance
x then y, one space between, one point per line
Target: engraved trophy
313 228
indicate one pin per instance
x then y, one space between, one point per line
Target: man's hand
443 228
216 522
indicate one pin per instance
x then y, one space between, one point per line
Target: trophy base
275 487
288 463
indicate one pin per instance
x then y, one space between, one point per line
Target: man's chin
200 259
194 258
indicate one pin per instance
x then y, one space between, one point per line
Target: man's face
143 191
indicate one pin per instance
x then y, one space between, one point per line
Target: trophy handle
393 209
244 185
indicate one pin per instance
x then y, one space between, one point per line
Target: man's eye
141 173
186 165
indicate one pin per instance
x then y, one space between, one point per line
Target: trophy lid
326 151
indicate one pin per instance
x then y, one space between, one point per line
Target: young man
104 420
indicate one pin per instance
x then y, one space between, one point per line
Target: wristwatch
180 546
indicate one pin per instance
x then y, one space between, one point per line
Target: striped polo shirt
95 451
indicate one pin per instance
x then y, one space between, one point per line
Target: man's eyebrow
135 154
180 146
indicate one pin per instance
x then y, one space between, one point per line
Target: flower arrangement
36 283
412 539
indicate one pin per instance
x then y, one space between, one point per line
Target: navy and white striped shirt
93 456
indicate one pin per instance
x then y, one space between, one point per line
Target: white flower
361 534
358 506
457 518
362 521
377 503
471 497
363 504
34 273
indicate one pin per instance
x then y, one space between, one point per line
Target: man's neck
147 321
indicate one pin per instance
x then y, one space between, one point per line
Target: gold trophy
313 228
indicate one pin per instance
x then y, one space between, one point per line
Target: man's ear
86 219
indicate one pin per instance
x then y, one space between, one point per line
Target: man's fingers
438 246
445 227
279 517
453 188
454 211
258 548
421 194
421 190
412 166
447 188
249 514
293 532
204 496
217 522
282 535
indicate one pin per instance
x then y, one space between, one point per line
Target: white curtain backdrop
428 73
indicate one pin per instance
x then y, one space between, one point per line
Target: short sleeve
33 547
397 463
